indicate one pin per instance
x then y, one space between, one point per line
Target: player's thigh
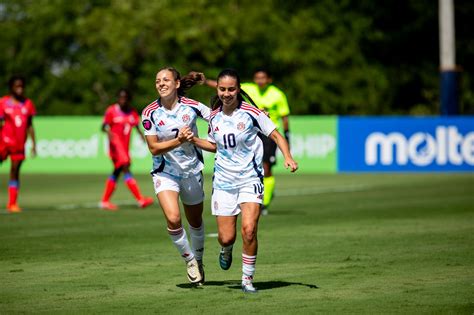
225 202
191 189
226 229
167 192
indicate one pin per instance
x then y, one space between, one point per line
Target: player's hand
199 77
185 134
291 164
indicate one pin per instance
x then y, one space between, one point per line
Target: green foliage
331 57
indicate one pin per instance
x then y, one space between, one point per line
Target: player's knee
226 240
249 232
174 223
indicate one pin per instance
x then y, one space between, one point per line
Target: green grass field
385 243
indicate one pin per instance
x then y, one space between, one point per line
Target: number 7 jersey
239 154
185 160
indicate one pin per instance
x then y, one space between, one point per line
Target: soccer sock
197 240
109 188
13 187
132 186
269 186
180 241
248 267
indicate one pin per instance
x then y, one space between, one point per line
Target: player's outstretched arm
285 149
157 147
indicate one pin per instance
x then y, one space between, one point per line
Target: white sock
197 240
180 240
248 267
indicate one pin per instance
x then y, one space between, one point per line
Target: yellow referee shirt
271 100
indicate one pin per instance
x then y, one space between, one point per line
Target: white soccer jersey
186 159
239 154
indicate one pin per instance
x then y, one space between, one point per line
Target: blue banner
405 144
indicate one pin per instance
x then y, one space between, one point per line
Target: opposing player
119 120
272 100
16 123
177 164
237 186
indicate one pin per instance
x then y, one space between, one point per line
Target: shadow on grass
235 284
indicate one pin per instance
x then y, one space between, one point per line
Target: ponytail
187 82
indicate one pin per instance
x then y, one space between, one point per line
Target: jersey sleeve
210 135
108 116
283 108
136 118
32 109
266 124
205 111
148 125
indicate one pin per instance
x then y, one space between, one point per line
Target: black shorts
269 150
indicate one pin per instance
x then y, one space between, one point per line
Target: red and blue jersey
17 117
121 124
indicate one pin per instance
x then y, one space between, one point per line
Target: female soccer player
16 123
119 120
177 164
238 174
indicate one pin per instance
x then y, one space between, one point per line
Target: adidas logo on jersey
161 123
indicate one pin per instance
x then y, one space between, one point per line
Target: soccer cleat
247 287
201 271
145 202
194 275
107 205
225 259
13 208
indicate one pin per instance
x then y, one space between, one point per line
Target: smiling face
228 90
166 84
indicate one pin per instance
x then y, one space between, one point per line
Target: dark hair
216 102
264 70
14 78
126 91
187 82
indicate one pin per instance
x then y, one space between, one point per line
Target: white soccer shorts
190 189
227 202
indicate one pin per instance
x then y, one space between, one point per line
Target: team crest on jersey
146 124
216 129
185 118
24 111
240 126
